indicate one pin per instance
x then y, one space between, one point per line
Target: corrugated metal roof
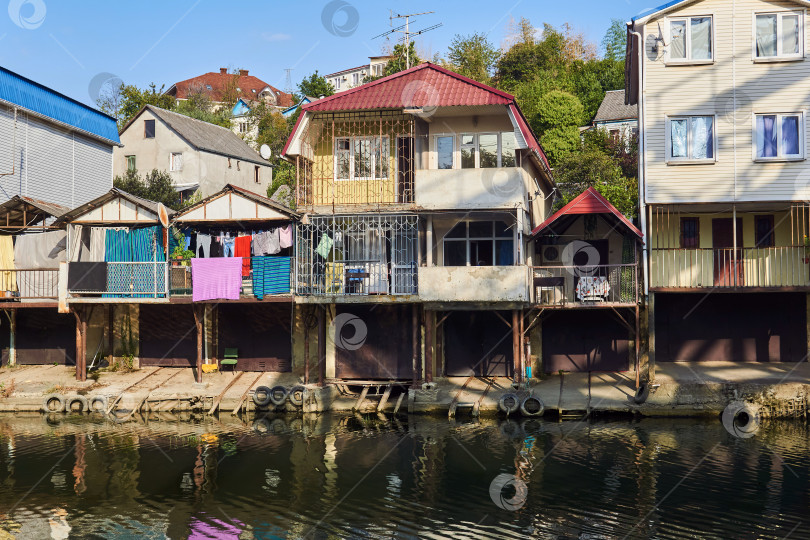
33 210
589 201
30 95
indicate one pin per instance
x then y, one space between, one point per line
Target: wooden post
12 337
522 347
321 345
638 347
110 333
516 345
77 314
198 325
651 337
306 350
415 345
84 347
430 328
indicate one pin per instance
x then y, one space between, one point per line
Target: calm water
353 477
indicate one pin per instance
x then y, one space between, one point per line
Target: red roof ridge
589 194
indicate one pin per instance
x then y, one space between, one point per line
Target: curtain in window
701 38
381 154
702 137
375 250
766 35
790 34
766 136
790 135
678 39
678 136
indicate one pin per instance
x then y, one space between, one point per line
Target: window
131 163
763 228
480 150
690 233
256 174
468 152
690 39
336 83
149 129
229 163
778 136
691 138
479 243
355 79
361 158
176 161
444 152
778 35
614 135
242 127
208 87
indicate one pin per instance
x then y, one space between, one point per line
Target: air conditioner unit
550 252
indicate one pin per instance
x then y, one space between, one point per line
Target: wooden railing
585 285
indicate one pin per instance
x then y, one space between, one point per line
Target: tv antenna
405 30
288 82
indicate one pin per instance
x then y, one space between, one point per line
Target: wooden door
724 254
168 335
585 340
478 343
405 167
260 332
373 341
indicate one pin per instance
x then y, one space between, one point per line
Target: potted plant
181 256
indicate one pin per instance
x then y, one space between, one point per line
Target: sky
76 47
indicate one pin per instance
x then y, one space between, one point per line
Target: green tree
578 171
156 186
557 121
473 56
198 104
401 59
314 86
133 98
615 41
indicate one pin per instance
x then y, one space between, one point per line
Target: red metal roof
249 86
589 201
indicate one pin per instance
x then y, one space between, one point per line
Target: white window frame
385 141
688 159
467 239
336 83
134 162
688 60
779 156
172 162
780 57
355 79
435 154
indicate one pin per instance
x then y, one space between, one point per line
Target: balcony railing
118 279
269 276
29 284
358 277
574 286
783 266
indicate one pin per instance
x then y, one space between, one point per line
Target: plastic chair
230 358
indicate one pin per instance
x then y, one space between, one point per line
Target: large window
690 233
361 158
779 136
690 39
763 229
778 35
444 151
479 150
690 138
479 243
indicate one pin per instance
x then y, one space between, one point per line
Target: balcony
117 280
27 285
269 276
470 188
474 284
585 286
679 268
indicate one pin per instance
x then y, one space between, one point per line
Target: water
348 476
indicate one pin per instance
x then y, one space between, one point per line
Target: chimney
243 72
223 71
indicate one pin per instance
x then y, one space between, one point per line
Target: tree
314 86
557 121
133 99
198 104
615 41
578 171
156 186
402 59
473 56
624 151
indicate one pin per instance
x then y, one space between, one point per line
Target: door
259 332
585 340
405 162
585 261
725 254
373 341
168 335
45 336
478 343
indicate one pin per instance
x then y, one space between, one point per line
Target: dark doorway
731 327
405 167
259 332
582 340
45 336
478 343
168 336
373 342
724 253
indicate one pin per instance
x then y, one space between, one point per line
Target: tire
296 395
532 406
99 404
509 403
642 393
261 396
278 395
53 403
278 426
511 429
261 426
84 405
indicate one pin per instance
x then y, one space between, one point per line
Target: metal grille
357 255
133 280
357 159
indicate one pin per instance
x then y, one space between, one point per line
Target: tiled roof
589 201
613 108
249 86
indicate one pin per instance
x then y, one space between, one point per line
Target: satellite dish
163 215
265 151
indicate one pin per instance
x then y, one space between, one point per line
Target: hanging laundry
266 243
227 246
203 245
8 281
242 249
216 247
271 275
324 246
97 241
285 237
216 279
35 251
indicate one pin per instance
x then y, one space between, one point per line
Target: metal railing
268 276
585 285
29 284
781 266
129 280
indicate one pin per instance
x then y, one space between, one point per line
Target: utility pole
405 29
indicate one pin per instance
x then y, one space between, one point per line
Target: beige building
353 77
200 157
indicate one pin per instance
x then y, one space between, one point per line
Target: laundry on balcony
135 263
593 289
216 278
37 257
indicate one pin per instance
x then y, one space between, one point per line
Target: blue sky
74 46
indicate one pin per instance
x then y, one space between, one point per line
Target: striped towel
218 278
271 275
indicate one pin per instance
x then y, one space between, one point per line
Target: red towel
241 248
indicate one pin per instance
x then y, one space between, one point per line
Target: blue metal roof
656 10
40 99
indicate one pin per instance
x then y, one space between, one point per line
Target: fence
118 279
585 285
29 284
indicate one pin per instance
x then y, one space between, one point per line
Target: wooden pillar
12 337
110 333
321 345
415 345
651 337
198 325
516 345
638 347
430 332
306 347
522 345
83 357
80 372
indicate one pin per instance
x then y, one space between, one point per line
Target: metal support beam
321 345
415 344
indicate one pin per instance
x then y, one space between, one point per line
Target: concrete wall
473 284
471 188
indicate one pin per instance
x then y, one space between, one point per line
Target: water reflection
334 476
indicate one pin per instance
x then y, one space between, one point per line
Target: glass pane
678 40
790 34
362 158
504 252
766 35
702 141
480 229
488 146
481 253
468 139
766 136
459 230
508 147
381 156
790 135
678 136
468 151
701 38
502 229
444 152
342 158
455 253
